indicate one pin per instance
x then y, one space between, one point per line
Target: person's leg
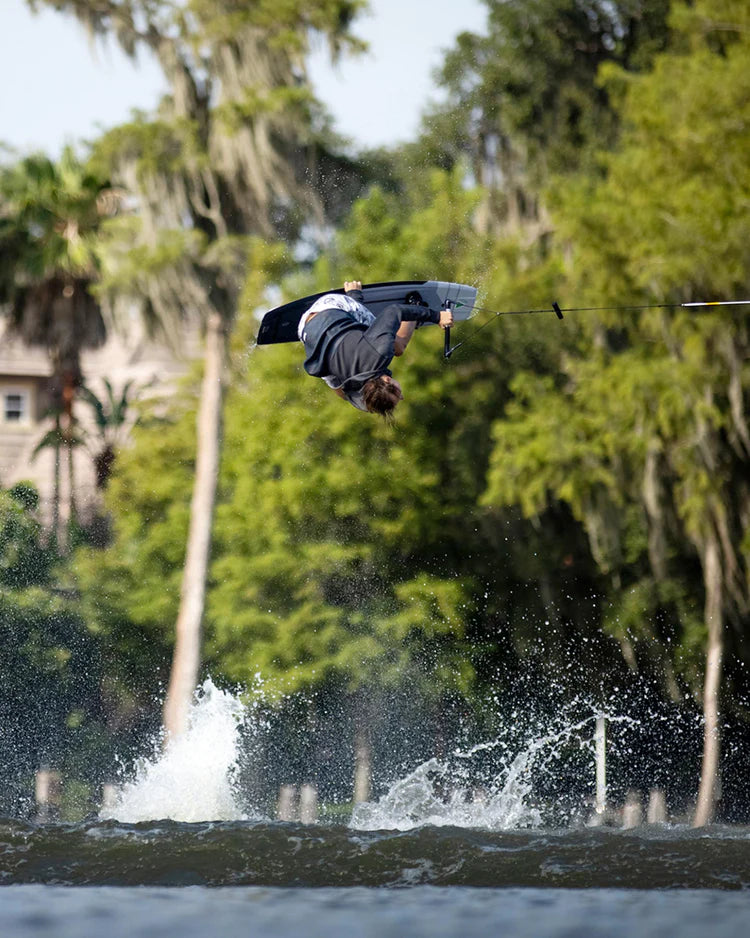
403 336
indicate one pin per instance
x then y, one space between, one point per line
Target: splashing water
495 785
193 778
431 794
438 793
452 791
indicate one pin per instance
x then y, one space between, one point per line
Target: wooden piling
600 751
632 812
110 794
48 794
286 808
308 804
657 807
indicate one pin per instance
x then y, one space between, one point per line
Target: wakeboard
280 324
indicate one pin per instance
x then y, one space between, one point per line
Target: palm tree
233 152
49 216
110 414
53 439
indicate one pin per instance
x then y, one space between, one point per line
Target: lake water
272 879
358 912
434 856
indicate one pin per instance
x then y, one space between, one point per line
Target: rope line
555 308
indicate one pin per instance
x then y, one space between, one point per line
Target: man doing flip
350 348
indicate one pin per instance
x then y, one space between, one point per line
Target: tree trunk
72 510
68 504
56 486
188 630
708 790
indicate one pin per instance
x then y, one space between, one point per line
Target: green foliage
49 709
309 545
673 190
239 147
370 241
523 100
386 238
110 413
640 437
49 212
148 496
285 23
23 560
548 494
26 494
111 416
49 217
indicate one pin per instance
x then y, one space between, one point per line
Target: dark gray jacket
338 346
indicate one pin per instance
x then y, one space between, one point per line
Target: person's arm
386 334
410 313
397 322
353 288
403 337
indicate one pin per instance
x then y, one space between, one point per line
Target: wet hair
380 397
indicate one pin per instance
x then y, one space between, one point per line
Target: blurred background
558 521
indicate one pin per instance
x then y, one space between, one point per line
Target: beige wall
20 402
26 371
125 357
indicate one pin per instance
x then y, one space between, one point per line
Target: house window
15 407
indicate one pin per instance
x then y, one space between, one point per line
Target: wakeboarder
351 348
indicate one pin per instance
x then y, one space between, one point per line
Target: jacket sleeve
411 313
382 332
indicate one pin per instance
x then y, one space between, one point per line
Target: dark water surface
273 880
243 853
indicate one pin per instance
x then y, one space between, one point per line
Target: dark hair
380 397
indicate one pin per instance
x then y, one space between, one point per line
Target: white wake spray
437 793
193 778
451 792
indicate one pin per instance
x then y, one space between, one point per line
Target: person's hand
446 318
350 285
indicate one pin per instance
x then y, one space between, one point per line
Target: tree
320 588
49 215
301 590
110 419
233 151
49 663
131 588
523 101
649 424
330 594
23 560
699 242
361 570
